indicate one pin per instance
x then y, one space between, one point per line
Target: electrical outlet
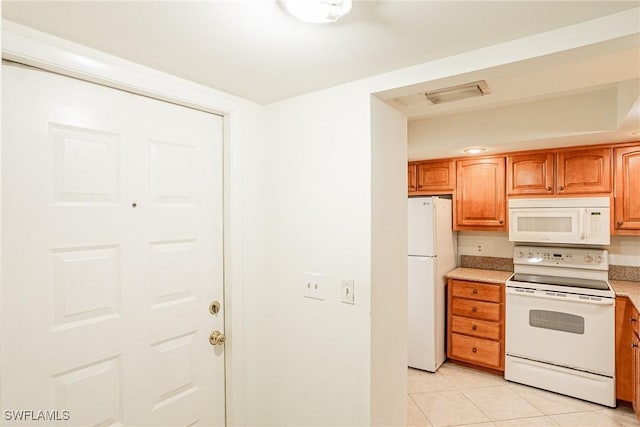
348 286
479 248
313 286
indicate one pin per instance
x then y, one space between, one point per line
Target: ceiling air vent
456 93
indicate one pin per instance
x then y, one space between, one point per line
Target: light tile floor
459 396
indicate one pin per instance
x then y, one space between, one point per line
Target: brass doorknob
216 338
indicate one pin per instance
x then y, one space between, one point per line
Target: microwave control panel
561 257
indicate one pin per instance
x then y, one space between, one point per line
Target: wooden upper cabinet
627 189
583 171
530 174
436 175
412 178
480 194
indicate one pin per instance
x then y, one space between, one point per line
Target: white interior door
111 254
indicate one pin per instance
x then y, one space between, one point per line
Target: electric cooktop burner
561 281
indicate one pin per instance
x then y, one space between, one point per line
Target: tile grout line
420 409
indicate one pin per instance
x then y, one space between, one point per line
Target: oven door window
556 321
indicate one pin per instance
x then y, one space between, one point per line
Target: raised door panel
627 189
624 351
584 171
412 182
436 176
530 174
480 194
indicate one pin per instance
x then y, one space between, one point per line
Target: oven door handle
603 301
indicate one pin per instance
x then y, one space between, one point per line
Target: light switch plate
313 286
348 286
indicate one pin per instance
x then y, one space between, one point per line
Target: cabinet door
584 171
412 178
436 176
480 194
624 352
530 174
627 203
636 376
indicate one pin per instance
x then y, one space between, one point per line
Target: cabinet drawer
477 328
477 291
475 350
476 309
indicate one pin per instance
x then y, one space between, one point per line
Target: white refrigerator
432 247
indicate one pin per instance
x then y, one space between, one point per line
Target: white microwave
580 221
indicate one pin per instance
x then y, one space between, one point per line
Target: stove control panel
562 257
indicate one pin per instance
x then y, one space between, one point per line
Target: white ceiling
253 49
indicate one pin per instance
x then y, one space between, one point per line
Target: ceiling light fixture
456 93
318 11
474 150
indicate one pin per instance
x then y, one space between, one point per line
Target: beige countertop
479 275
628 289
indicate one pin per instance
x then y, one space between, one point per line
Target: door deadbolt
214 308
216 338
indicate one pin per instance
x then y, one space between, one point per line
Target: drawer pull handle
475 291
474 327
474 309
475 350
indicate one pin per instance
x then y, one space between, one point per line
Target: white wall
388 265
308 209
624 250
494 244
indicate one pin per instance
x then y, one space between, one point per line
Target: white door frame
37 49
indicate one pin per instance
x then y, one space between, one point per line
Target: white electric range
560 322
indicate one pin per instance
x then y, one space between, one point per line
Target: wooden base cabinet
475 324
624 351
636 375
628 353
635 345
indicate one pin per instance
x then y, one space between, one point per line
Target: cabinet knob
475 350
474 327
633 319
619 223
474 309
549 188
501 221
561 188
419 186
634 345
475 291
